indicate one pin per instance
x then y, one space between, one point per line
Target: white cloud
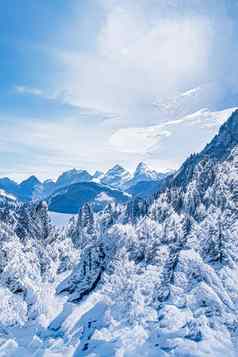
48 147
144 51
137 58
204 118
171 141
138 140
20 89
57 95
191 92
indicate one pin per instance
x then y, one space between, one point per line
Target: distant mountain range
117 185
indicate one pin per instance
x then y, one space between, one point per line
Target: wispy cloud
171 141
138 140
47 148
29 90
53 95
146 52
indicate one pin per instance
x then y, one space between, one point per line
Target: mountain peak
97 174
48 181
73 176
143 171
117 167
116 176
141 167
32 180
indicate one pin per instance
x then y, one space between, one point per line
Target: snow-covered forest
156 277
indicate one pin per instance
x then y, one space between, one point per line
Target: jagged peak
98 174
117 167
142 167
48 181
73 171
8 180
33 180
73 174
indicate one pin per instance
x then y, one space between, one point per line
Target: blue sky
88 84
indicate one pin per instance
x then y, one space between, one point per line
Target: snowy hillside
155 277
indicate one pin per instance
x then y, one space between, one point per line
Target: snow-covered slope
33 256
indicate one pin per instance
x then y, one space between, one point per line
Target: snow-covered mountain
8 185
146 189
156 277
28 188
48 187
73 176
25 191
143 173
122 179
70 199
116 185
33 189
116 177
97 176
